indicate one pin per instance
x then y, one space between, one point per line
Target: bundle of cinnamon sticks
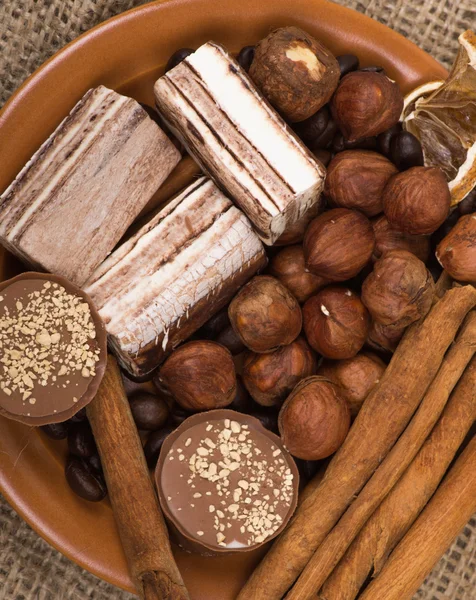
360 521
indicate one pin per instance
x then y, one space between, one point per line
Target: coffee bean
81 440
468 204
324 156
177 58
339 143
268 418
80 416
347 63
444 229
242 402
95 462
213 326
149 411
153 114
230 340
307 468
85 481
154 444
56 431
385 138
373 69
312 129
405 151
178 415
245 57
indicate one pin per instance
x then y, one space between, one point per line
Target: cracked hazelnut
418 200
338 244
457 251
336 322
399 290
269 378
366 104
265 315
389 238
200 375
288 266
356 377
356 179
314 420
295 72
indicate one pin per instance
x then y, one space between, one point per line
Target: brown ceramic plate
128 54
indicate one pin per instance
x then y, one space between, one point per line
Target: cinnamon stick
440 522
389 523
389 472
380 422
138 517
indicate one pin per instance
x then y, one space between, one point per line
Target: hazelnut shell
457 251
265 315
269 378
314 420
366 104
200 375
356 179
338 244
336 322
295 72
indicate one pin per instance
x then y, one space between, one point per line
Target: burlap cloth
30 32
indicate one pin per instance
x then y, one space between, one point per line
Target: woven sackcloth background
30 32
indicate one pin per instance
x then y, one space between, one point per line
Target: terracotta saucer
127 54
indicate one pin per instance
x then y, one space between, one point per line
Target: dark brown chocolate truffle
53 349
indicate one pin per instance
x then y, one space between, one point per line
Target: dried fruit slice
443 117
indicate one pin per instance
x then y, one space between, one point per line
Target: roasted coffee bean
307 468
95 462
230 340
312 129
384 139
150 412
405 151
373 69
324 156
178 415
177 58
56 431
347 63
154 444
213 326
444 229
339 143
80 416
81 440
268 418
245 57
153 114
85 481
242 402
468 204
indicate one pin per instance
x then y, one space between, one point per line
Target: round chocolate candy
53 348
225 483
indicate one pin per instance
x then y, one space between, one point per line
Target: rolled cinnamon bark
389 472
382 419
440 522
136 510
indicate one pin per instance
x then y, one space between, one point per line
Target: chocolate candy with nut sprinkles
52 349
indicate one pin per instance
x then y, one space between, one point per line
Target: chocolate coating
47 396
211 512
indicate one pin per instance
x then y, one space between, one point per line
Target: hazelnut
336 322
418 200
366 104
384 338
200 375
356 179
295 72
270 378
294 234
288 266
389 238
150 412
314 420
399 290
457 251
265 315
338 244
356 377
